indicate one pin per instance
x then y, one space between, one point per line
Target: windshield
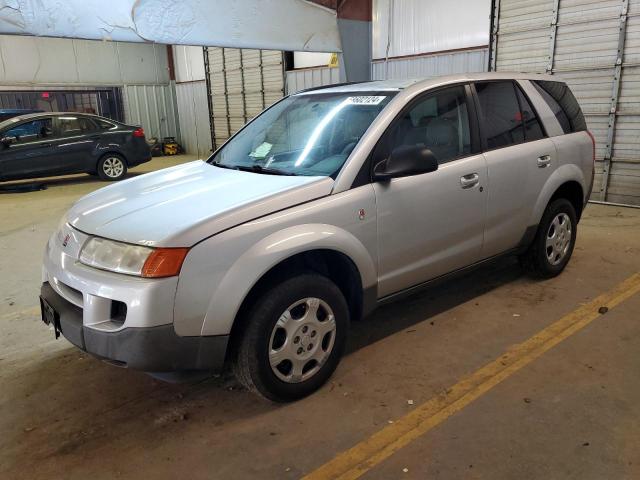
311 134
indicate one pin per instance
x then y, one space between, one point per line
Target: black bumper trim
152 349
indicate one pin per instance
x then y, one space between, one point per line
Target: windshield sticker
261 150
366 100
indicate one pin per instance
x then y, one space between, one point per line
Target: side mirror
405 161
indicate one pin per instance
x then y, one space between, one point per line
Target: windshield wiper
221 165
261 169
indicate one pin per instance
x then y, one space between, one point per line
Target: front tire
553 245
112 167
293 339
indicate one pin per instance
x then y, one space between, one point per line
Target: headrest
441 132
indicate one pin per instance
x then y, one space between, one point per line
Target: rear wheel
293 339
112 167
553 245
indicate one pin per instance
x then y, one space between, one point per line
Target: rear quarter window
103 124
563 104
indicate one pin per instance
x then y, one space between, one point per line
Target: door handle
469 180
544 161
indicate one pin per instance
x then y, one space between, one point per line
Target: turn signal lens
164 262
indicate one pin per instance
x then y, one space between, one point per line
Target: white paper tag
262 150
365 100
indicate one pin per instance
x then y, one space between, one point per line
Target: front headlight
129 259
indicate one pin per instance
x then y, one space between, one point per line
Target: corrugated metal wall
431 65
595 46
194 118
66 62
413 27
242 83
426 66
153 107
311 77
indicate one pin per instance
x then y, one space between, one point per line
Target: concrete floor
572 413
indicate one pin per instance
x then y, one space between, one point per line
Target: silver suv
329 202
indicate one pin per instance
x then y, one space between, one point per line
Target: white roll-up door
242 83
594 45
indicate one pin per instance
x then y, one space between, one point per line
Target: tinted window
74 125
501 116
532 127
563 105
103 124
440 122
29 131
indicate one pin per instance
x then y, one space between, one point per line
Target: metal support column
606 167
552 36
493 47
207 79
264 104
354 26
244 89
226 92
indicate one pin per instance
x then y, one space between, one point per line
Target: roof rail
321 87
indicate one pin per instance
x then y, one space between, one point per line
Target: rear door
431 224
78 137
520 158
27 148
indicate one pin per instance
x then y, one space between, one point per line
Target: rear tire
553 245
112 167
294 336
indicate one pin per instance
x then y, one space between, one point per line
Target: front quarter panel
220 271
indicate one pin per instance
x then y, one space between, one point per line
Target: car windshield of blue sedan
309 134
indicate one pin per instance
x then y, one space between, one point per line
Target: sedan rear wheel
112 167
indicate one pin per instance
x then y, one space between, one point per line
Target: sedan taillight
138 132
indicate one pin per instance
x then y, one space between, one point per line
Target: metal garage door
594 45
242 83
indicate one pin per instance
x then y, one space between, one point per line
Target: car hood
179 206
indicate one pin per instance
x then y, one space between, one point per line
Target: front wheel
112 167
553 245
293 339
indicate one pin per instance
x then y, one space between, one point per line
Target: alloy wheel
113 167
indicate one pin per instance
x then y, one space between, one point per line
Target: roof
397 85
29 116
373 86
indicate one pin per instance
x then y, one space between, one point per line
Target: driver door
432 224
29 151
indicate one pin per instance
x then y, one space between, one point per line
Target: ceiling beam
299 25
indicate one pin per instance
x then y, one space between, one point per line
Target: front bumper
150 349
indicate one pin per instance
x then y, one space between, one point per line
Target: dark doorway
106 102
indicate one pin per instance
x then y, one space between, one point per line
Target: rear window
563 105
103 124
532 126
71 125
501 115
